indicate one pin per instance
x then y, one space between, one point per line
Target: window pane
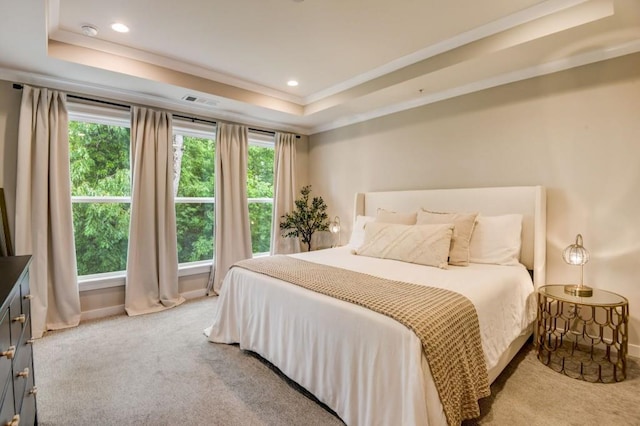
99 166
99 159
260 219
101 234
260 185
260 172
194 223
194 165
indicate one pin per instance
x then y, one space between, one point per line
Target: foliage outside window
260 194
101 195
194 183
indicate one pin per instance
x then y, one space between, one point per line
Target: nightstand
583 337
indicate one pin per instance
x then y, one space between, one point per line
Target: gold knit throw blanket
445 322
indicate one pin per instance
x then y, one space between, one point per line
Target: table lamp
334 227
576 254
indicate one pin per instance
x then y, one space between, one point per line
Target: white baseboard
119 309
102 312
194 294
634 351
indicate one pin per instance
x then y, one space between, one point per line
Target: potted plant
306 218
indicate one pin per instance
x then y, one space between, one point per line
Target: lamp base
578 290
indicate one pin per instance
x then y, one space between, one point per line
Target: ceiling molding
457 49
500 80
74 39
209 112
127 96
538 11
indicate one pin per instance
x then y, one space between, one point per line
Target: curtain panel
44 221
152 258
284 182
232 230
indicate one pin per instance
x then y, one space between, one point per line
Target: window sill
117 279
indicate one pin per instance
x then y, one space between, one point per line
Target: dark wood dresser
18 403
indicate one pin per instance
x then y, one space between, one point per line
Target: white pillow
496 240
357 234
388 216
462 231
422 244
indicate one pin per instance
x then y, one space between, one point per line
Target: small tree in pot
306 218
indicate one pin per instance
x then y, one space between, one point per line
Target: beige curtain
284 196
152 260
232 232
44 224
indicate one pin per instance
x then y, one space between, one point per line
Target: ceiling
354 59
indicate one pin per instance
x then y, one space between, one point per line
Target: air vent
201 101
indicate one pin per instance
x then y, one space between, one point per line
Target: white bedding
367 367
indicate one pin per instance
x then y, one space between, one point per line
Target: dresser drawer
6 411
21 375
22 368
5 345
17 318
25 294
28 411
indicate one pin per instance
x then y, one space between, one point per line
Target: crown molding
590 57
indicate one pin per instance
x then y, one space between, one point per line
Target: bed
369 368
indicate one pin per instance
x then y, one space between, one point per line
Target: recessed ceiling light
292 83
121 28
89 30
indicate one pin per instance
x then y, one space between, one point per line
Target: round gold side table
583 337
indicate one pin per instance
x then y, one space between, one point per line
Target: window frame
78 111
112 116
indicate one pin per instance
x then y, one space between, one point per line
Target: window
99 142
194 182
260 190
100 190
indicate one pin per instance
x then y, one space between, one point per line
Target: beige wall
576 132
107 299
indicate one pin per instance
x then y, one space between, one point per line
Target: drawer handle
15 421
24 373
33 391
20 318
9 353
28 296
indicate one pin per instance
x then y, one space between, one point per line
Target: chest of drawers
17 385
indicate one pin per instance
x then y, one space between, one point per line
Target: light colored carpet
159 369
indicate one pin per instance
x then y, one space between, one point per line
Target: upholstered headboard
529 201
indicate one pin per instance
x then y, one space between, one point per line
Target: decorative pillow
463 228
388 216
422 244
357 234
496 240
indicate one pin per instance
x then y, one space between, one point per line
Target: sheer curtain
152 259
284 196
44 223
232 232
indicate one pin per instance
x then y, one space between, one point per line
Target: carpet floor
159 369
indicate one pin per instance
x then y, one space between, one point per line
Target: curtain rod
82 98
192 119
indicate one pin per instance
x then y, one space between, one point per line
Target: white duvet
365 366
